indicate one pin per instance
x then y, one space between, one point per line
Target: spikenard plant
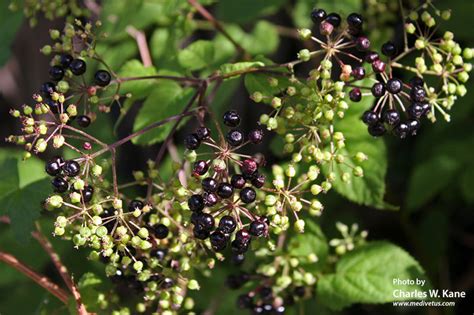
162 230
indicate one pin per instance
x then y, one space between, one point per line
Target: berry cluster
228 183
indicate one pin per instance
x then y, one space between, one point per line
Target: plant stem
41 280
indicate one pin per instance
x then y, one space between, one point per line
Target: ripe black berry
210 199
200 167
218 240
394 85
389 49
415 110
334 19
65 60
227 224
257 228
378 66
358 73
53 105
47 88
159 253
239 247
248 195
87 193
83 121
317 15
196 203
56 73
371 56
192 142
237 181
238 259
401 130
102 78
167 283
426 108
377 130
391 117
235 137
200 232
231 118
225 190
416 81
161 231
417 94
255 136
258 180
355 95
209 184
249 166
71 168
78 66
413 126
370 118
53 166
203 133
135 204
355 20
242 236
362 43
206 221
60 185
378 89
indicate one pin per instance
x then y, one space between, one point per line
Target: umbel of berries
222 205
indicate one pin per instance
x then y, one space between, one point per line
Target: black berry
53 166
378 66
209 184
83 121
389 49
196 203
225 190
237 181
71 168
102 78
317 15
413 126
391 117
87 193
231 118
200 167
355 95
206 221
161 231
218 240
415 110
394 85
255 136
203 133
60 185
257 228
249 166
358 73
235 137
362 43
248 195
258 180
56 73
401 130
65 60
416 81
371 56
370 118
78 66
355 20
210 199
192 142
135 204
47 88
200 232
417 94
334 19
378 89
377 130
227 224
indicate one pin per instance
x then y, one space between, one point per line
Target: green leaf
368 190
21 192
246 10
312 241
303 8
166 99
135 68
9 24
429 179
259 82
367 275
264 39
89 287
197 55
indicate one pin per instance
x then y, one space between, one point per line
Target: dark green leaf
138 88
197 55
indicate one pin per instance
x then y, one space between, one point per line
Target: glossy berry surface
235 138
249 166
415 110
135 205
200 167
83 121
56 73
78 66
248 195
192 142
389 49
65 60
355 95
417 94
225 190
53 166
355 20
60 185
257 228
391 117
334 19
102 78
255 136
378 66
358 73
370 117
377 130
378 89
218 240
47 88
231 118
401 130
209 184
362 43
237 181
258 180
203 133
227 224
394 86
71 168
318 15
196 203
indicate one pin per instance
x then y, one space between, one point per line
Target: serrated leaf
368 190
367 275
197 55
166 99
312 241
21 192
134 68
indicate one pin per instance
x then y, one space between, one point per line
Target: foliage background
429 177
